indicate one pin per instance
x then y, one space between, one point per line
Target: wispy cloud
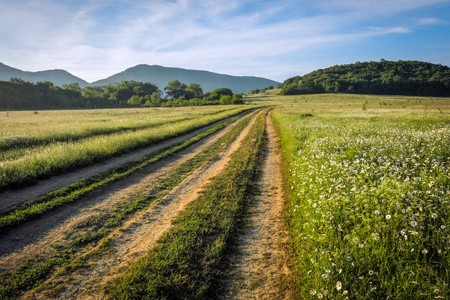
429 21
381 7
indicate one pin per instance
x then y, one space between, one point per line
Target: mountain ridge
209 81
57 76
156 74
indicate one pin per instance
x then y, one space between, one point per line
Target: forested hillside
382 78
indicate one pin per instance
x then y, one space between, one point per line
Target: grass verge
183 264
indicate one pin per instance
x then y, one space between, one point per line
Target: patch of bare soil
12 198
138 235
260 269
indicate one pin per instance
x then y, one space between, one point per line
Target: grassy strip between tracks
77 190
96 230
185 261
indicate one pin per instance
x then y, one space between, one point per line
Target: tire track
137 235
260 268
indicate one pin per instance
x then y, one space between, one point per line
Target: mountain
413 78
209 81
58 77
157 75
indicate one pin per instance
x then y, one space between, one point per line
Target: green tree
226 99
74 87
218 93
237 99
175 89
135 100
193 90
93 92
155 99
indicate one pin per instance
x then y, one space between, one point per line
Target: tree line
17 94
412 78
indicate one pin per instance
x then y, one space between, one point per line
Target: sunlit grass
369 194
24 129
58 157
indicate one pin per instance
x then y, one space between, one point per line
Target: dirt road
260 270
139 234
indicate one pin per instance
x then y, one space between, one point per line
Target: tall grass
79 189
24 132
58 157
21 130
369 197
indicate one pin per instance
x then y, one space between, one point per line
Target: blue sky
94 39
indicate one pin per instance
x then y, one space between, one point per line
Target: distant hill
157 75
209 81
58 77
413 78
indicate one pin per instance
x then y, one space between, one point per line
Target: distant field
368 187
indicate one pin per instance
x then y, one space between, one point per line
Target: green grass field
50 143
366 180
368 187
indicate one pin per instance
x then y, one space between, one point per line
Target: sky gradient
94 39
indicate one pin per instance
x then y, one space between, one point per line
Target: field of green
38 144
366 178
368 187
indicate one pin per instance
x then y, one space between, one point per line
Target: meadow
367 182
46 143
24 129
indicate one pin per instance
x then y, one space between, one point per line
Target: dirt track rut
137 235
141 233
30 237
260 268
